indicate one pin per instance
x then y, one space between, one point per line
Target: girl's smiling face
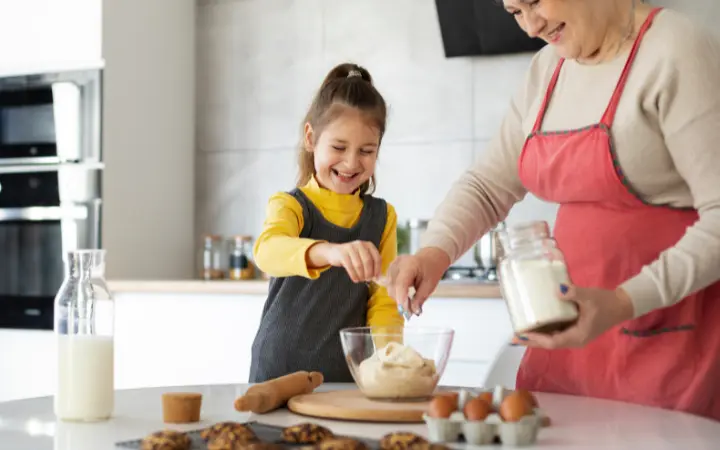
576 28
345 153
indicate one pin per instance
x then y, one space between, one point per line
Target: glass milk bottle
84 327
531 273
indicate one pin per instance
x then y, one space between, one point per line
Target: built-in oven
50 118
44 212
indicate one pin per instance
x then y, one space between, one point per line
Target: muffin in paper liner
479 432
521 433
443 430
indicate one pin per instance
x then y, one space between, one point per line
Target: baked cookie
240 431
340 444
305 433
260 446
166 440
431 446
228 440
403 440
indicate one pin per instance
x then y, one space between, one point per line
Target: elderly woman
618 122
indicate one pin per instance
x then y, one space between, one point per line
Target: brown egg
453 395
527 395
514 407
441 407
477 409
488 398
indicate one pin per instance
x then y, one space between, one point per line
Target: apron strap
609 115
548 95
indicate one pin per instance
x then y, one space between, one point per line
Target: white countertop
577 423
446 289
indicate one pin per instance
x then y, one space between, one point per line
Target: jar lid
526 232
211 237
241 238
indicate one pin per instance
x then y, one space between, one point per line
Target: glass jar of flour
530 274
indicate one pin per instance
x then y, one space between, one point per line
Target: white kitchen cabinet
466 373
27 364
49 33
172 339
482 325
149 139
178 339
147 49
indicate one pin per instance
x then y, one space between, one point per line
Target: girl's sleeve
382 309
279 250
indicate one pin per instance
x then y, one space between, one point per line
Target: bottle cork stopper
181 407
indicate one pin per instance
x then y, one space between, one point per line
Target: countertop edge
260 287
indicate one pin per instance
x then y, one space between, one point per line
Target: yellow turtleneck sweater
280 252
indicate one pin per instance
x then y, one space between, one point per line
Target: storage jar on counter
212 258
531 273
240 265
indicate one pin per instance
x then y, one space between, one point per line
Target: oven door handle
44 213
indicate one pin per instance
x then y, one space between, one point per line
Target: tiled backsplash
260 62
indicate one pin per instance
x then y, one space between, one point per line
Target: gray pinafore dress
301 319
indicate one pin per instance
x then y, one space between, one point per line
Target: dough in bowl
397 371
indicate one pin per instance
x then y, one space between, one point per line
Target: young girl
324 242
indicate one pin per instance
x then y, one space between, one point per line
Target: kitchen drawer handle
43 213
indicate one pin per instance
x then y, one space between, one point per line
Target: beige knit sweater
667 138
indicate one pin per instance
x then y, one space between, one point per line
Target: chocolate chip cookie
403 440
228 440
241 432
260 446
305 433
340 444
166 440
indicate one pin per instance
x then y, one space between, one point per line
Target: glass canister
84 332
240 265
531 272
211 259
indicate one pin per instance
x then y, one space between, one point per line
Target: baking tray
265 432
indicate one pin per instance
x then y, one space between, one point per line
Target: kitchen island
578 423
208 327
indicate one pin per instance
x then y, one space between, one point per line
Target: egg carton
524 432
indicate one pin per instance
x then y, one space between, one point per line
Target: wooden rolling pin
272 394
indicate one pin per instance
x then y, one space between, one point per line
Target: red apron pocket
657 364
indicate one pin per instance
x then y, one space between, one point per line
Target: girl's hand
360 259
423 271
599 309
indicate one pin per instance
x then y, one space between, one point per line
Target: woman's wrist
626 310
435 258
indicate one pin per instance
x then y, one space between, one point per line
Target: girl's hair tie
354 73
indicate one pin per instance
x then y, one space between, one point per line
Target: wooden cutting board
353 405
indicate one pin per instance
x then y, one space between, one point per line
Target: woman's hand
361 259
599 310
423 271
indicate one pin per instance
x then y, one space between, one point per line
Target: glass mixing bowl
397 363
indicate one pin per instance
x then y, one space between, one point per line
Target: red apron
667 358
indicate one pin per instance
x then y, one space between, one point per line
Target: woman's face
576 28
